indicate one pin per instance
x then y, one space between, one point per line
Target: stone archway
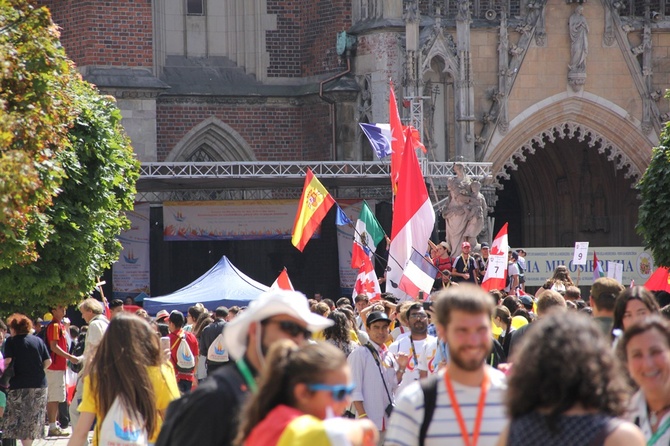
567 172
212 140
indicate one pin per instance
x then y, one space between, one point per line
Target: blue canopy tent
223 285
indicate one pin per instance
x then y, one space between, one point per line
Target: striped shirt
407 417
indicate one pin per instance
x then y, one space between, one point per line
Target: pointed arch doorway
568 190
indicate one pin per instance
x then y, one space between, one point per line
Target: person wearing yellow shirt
130 366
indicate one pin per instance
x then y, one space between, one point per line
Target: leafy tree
92 172
36 111
654 217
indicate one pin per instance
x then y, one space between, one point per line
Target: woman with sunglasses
300 393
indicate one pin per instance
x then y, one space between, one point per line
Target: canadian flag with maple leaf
366 282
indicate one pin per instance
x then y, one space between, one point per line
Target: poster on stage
636 264
130 274
229 220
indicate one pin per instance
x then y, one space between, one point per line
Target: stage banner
130 274
229 220
541 262
345 240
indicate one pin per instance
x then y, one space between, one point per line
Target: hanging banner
229 220
637 264
131 273
345 240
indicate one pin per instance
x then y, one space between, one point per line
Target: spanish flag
315 203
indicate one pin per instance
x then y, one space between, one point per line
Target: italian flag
597 268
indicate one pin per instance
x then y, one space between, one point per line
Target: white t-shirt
512 270
404 345
427 361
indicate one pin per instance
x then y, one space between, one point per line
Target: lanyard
659 433
413 351
246 374
457 409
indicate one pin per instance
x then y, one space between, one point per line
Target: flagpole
579 273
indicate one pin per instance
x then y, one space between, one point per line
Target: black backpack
77 350
43 336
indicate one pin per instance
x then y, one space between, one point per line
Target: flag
315 203
282 282
419 275
495 277
659 281
341 218
397 140
413 219
597 268
379 136
416 140
367 236
366 282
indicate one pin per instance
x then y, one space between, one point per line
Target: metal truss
202 181
322 169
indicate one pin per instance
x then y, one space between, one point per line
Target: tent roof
223 284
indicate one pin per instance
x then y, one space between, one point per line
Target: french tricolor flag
380 138
413 219
419 275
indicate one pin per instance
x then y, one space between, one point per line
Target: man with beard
412 345
209 414
461 404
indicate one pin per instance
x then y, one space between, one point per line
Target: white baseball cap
270 303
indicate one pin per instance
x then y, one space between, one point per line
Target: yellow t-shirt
165 387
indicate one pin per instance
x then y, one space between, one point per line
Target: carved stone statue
465 212
579 49
579 31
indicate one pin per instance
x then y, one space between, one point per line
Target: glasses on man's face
290 328
339 392
419 316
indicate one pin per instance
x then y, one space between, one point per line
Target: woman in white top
645 347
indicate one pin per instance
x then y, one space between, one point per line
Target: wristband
402 370
363 415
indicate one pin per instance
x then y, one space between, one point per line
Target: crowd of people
463 366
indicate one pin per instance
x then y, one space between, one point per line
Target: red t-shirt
442 264
174 346
56 332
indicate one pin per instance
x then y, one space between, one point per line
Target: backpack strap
429 389
605 431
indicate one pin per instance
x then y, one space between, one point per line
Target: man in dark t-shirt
465 268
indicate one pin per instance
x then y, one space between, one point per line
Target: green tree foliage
36 111
96 171
654 218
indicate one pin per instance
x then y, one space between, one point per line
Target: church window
195 7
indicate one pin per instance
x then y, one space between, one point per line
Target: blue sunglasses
339 392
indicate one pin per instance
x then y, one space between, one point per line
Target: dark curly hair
635 293
339 331
566 361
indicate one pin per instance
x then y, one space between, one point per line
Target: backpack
429 389
122 428
185 358
43 336
217 351
522 277
77 350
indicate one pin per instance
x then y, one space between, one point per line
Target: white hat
270 303
162 314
